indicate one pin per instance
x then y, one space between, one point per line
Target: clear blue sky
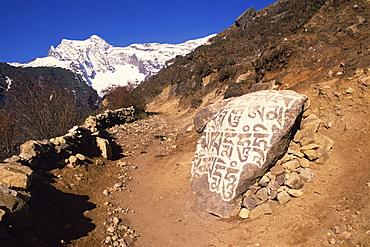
29 27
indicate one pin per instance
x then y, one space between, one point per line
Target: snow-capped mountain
101 65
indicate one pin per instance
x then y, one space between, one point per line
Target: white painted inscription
239 135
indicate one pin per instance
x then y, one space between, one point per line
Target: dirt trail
165 215
162 212
147 187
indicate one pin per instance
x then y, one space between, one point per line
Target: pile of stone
118 234
17 172
255 153
287 177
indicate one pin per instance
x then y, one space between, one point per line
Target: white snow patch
101 65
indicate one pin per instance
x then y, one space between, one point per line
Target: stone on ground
241 142
15 175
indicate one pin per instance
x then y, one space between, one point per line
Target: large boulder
204 115
15 175
239 144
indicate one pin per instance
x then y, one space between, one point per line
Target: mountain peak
102 65
95 37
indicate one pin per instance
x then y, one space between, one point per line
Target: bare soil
155 200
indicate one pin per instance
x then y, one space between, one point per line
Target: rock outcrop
239 144
244 19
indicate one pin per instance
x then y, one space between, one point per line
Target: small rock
260 210
107 240
244 213
2 213
106 192
311 154
16 175
323 141
291 165
282 188
80 157
332 241
121 163
336 229
306 174
73 161
264 181
311 146
105 147
272 204
295 193
254 189
283 197
12 159
99 162
295 149
273 195
247 193
304 163
306 141
277 170
280 179
322 156
350 90
344 235
262 194
116 186
116 220
273 185
249 203
294 181
110 229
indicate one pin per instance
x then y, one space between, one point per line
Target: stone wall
17 172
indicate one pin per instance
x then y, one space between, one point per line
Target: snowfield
102 65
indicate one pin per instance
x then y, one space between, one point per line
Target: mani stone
240 143
204 115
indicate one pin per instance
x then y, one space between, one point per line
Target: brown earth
325 55
155 159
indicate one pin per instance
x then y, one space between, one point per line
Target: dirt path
143 197
162 213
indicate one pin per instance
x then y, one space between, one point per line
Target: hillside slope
318 48
287 45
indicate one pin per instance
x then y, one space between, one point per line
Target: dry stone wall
17 172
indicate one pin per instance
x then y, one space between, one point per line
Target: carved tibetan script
239 135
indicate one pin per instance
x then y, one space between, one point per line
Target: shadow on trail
57 217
